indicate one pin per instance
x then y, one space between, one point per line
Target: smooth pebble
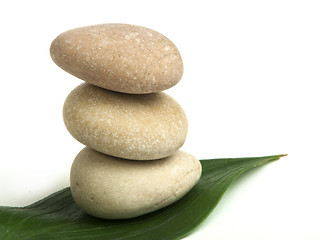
138 127
119 57
112 188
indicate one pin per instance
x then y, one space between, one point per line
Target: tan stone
139 127
120 57
113 188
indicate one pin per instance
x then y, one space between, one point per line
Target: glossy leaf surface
58 217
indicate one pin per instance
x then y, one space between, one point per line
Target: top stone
119 57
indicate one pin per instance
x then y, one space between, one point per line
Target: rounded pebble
138 127
119 57
113 188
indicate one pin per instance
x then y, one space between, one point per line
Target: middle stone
137 127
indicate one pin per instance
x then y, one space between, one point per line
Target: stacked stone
132 130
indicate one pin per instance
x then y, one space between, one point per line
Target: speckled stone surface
120 57
113 188
139 127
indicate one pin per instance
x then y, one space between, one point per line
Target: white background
256 82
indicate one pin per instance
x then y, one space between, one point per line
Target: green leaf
58 217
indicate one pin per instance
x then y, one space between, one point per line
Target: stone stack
132 130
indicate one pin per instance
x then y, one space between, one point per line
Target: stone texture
139 127
112 188
120 57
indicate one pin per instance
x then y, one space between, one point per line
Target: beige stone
139 127
120 57
112 188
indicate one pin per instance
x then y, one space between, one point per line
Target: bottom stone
114 188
